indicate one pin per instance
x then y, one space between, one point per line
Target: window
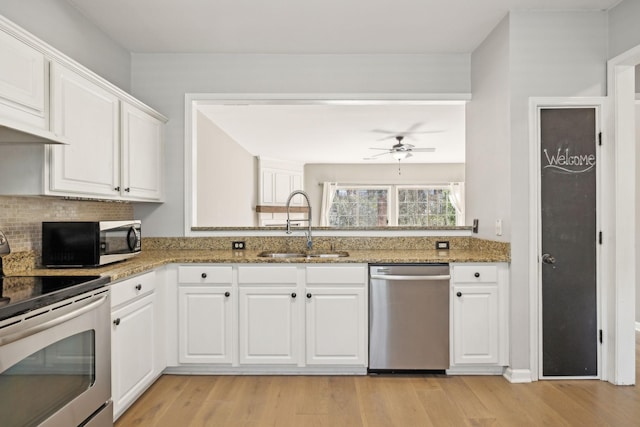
394 205
360 207
425 206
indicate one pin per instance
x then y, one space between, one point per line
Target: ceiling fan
400 151
408 133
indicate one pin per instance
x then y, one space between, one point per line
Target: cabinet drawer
132 288
336 275
475 273
205 274
272 275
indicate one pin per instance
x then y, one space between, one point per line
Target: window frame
393 205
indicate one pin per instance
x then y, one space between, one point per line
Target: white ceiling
308 26
319 133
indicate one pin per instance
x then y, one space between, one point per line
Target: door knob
548 259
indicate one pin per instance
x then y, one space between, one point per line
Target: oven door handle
87 307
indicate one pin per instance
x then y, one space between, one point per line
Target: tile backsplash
21 217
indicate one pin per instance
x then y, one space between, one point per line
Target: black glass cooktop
20 294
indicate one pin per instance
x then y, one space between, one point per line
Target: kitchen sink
269 254
339 254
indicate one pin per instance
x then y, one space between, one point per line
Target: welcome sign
567 161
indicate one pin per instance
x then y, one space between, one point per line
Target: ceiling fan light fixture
400 155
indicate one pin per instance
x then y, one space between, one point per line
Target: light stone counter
150 259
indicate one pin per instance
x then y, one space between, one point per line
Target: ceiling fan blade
412 128
386 138
423 150
385 149
376 155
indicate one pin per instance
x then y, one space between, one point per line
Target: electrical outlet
442 245
237 245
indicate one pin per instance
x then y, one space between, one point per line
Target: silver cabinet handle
393 277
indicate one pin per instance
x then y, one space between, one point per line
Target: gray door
569 238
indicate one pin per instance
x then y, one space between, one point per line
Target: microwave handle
90 305
132 238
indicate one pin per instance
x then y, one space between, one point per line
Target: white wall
624 30
488 187
529 54
226 176
63 27
161 80
551 54
316 174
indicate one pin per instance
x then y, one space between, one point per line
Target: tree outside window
360 207
426 206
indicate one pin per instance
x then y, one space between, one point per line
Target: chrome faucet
307 233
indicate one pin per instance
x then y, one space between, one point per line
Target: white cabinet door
142 159
336 329
132 351
269 323
88 116
475 324
282 187
205 315
22 82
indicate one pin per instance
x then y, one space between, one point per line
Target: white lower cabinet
479 315
336 315
268 325
256 317
134 362
269 314
336 326
205 320
475 322
205 314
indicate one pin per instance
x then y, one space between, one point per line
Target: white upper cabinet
88 116
277 179
114 143
142 155
22 83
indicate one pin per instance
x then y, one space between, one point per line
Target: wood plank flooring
372 401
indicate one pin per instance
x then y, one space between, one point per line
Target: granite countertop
150 259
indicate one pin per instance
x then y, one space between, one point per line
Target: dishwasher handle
410 277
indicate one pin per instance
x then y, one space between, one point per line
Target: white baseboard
518 376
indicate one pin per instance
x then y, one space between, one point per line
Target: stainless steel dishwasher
408 317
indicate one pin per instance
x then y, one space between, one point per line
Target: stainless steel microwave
89 243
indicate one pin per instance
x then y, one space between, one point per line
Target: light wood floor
336 401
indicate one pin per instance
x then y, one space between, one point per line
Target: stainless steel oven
55 363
